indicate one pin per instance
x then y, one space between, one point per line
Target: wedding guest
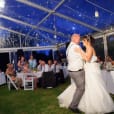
32 62
26 68
113 62
50 65
108 59
56 69
21 63
44 66
39 65
99 60
108 63
11 72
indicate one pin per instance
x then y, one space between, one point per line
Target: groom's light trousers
79 79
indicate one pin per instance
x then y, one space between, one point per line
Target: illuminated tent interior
48 24
43 28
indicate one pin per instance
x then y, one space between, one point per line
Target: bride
96 99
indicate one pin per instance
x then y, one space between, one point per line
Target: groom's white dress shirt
75 61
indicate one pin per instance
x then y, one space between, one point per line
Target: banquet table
108 77
2 78
111 82
34 74
65 71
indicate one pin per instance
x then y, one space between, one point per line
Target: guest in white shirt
50 65
39 65
56 66
56 69
44 66
108 63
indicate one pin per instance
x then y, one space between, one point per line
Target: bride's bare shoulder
94 53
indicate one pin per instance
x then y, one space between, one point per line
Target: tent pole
105 46
53 54
20 41
9 57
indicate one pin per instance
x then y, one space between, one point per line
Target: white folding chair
28 81
11 82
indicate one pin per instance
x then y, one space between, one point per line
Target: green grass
40 101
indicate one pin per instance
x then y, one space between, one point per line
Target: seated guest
56 70
39 68
50 65
11 72
99 60
43 66
47 79
56 67
32 62
21 63
109 59
108 63
113 63
26 68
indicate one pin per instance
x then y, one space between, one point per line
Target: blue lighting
32 26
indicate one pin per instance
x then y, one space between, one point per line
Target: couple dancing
87 91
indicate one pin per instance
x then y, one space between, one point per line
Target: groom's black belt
76 71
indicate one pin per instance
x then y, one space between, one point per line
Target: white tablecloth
65 71
111 82
108 77
36 74
2 78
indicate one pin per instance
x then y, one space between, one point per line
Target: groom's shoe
74 110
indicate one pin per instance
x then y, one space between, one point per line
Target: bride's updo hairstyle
89 38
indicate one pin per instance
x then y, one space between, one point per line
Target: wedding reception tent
48 24
42 29
33 25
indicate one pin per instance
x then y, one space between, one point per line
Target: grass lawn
40 101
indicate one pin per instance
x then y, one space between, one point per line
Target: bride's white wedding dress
96 99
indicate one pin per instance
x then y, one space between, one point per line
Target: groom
76 72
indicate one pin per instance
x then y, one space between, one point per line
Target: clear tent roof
49 22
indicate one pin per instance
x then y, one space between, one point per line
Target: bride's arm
85 55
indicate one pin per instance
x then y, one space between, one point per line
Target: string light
96 13
55 36
2 3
